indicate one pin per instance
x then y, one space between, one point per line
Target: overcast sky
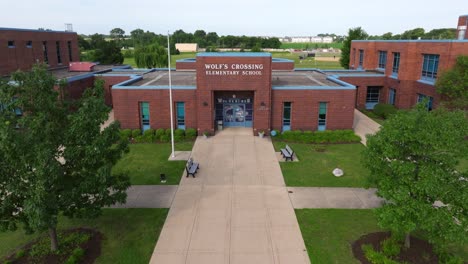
240 17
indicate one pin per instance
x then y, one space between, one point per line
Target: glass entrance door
234 115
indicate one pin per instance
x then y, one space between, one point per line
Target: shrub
160 132
78 252
136 133
179 135
190 133
165 138
20 253
375 257
391 247
297 135
168 132
276 133
125 134
287 135
384 110
139 139
148 135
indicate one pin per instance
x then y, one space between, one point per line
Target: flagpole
170 95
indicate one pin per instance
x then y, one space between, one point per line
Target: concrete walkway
161 196
237 210
363 125
328 197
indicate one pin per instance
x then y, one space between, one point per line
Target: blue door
181 115
286 116
145 116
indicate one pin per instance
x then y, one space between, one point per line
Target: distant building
307 39
187 47
21 48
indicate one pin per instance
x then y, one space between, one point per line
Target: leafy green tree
96 41
353 34
55 159
441 33
151 56
413 33
413 163
108 52
453 84
83 43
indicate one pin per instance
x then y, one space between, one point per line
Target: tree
453 83
413 163
83 43
108 52
353 33
55 159
97 40
117 35
413 33
151 56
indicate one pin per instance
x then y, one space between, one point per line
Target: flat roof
36 30
414 40
368 73
301 78
161 78
61 73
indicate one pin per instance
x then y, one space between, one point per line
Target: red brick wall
283 66
411 60
22 57
109 81
127 107
185 65
75 89
305 108
259 84
463 21
362 83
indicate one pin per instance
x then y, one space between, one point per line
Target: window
391 96
422 97
11 44
361 58
354 57
29 44
59 58
382 59
430 65
180 108
44 49
69 51
145 116
372 97
396 63
322 120
286 116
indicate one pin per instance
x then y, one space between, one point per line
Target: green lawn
307 63
315 168
129 234
328 233
145 162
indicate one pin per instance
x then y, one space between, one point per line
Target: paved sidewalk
327 197
161 196
363 125
237 209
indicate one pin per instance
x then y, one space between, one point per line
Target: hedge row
159 135
328 136
384 110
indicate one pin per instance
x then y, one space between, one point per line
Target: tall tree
453 84
54 159
108 52
353 34
415 33
413 163
117 35
151 56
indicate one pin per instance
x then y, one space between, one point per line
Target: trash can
220 125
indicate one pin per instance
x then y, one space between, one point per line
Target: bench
287 153
191 168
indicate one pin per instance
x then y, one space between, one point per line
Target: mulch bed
420 251
92 249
